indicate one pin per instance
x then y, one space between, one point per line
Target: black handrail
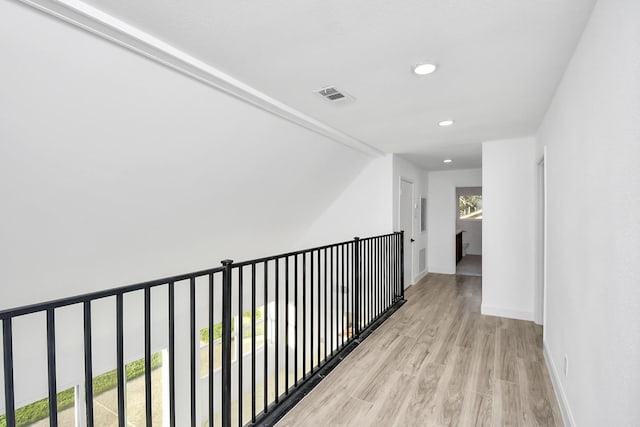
63 302
341 293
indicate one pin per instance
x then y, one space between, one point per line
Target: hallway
438 361
470 265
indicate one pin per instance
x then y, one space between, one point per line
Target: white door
406 224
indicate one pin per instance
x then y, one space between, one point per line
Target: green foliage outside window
470 207
217 332
39 410
246 322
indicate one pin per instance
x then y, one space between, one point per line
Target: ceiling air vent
334 95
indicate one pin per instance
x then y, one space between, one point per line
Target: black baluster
120 359
7 343
319 310
325 305
356 285
297 316
397 259
88 364
240 345
265 348
402 264
286 326
147 354
334 299
311 311
304 315
253 342
369 283
349 296
277 329
192 347
226 342
51 368
389 271
378 277
385 275
172 356
343 289
210 355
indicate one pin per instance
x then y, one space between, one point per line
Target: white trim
79 406
420 197
410 181
454 227
546 245
506 312
540 290
119 32
561 397
442 271
419 277
411 237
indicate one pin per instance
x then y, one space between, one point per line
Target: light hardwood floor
438 362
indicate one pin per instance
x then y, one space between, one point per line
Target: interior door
406 224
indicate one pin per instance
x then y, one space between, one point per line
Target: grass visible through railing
39 410
246 326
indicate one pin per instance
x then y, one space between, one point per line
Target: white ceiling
499 62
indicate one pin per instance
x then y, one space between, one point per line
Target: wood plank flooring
438 362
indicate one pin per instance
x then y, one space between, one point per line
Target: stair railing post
402 264
356 285
226 342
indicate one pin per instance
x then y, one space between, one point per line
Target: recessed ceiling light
445 123
447 160
424 69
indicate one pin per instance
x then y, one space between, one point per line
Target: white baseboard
420 276
563 403
506 312
442 271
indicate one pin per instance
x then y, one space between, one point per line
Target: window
470 207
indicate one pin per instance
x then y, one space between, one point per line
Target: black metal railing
316 306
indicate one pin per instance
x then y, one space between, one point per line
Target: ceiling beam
119 32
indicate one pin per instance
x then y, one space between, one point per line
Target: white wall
472 227
363 209
115 169
508 224
592 135
403 168
441 215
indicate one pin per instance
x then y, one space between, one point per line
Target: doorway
468 240
406 224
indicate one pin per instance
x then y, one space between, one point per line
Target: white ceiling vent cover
335 95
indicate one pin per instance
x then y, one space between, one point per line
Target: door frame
413 200
540 297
